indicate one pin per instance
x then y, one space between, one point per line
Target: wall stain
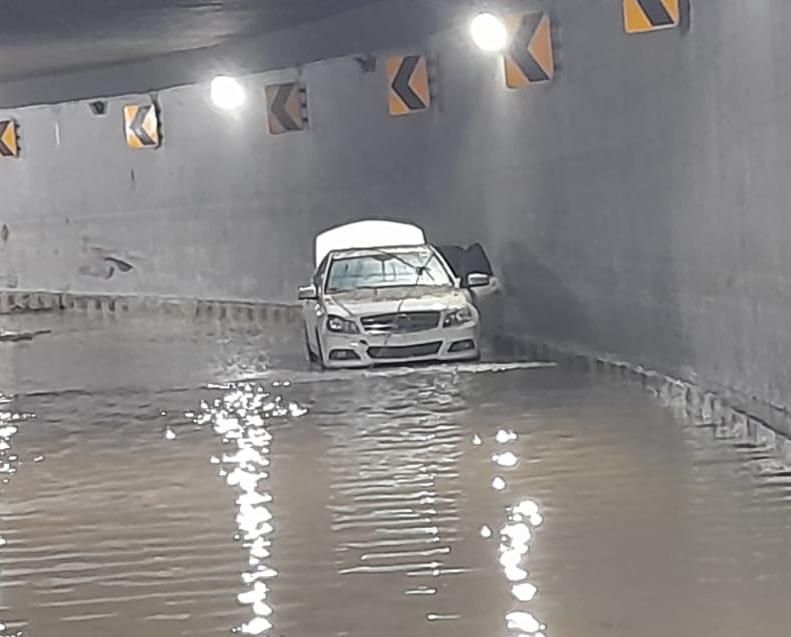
119 264
104 263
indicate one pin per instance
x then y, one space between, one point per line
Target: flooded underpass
144 492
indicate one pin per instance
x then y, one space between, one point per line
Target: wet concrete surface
144 495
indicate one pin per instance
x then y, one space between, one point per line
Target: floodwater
144 496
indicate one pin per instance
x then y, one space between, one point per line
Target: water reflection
10 421
394 467
507 459
521 520
240 419
394 495
515 536
504 436
498 483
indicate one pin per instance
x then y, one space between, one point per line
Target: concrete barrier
12 302
20 302
723 409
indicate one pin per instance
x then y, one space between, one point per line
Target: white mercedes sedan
389 305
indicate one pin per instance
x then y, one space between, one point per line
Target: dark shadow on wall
534 306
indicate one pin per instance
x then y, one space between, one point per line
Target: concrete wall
636 206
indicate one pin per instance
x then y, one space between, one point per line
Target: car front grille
401 322
409 351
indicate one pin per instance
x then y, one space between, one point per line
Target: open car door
472 259
489 301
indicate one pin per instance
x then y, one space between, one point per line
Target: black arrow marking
123 266
5 151
656 12
519 53
401 85
279 104
137 126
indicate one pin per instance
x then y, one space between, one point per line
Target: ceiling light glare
227 93
489 32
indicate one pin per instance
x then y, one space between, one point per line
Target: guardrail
19 302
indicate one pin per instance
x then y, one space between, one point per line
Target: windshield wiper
420 270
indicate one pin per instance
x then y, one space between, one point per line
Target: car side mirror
478 280
307 293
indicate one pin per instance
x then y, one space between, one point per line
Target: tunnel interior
620 169
633 204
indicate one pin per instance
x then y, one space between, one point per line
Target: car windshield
384 269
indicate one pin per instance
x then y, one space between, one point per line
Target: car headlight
341 325
458 317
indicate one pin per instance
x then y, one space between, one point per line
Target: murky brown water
433 502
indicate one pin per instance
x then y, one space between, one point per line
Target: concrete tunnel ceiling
53 51
41 37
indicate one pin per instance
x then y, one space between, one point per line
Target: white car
389 304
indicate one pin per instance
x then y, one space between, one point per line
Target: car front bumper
368 350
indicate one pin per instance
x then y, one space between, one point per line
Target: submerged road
144 496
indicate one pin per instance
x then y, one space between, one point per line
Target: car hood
390 300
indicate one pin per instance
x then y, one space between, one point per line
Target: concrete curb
725 410
22 302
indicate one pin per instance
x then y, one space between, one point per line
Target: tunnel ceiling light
227 93
489 32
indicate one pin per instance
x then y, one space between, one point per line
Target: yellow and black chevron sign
287 108
409 88
530 58
141 123
641 16
9 139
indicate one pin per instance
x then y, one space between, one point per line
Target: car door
313 310
489 299
464 261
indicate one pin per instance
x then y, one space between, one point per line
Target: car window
319 274
385 269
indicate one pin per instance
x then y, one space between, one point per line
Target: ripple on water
10 423
364 504
241 418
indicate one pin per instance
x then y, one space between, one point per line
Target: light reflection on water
10 423
521 520
240 418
